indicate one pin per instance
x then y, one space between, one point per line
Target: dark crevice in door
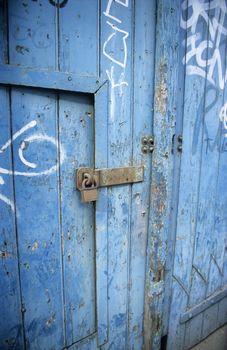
163 343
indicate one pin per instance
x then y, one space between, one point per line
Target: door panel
76 136
52 134
35 160
54 35
78 270
11 332
199 286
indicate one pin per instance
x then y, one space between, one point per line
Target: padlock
89 191
89 194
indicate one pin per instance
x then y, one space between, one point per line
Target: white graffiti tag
37 137
223 117
207 28
119 55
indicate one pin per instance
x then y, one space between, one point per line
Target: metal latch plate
109 176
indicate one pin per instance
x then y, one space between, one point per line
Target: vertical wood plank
79 37
193 331
188 196
165 106
11 326
116 37
222 312
32 33
3 32
35 158
101 161
11 323
210 317
143 68
76 122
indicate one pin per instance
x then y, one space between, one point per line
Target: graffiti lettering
204 50
119 54
120 62
108 8
223 117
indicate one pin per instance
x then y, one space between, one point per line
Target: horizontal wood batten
213 299
48 79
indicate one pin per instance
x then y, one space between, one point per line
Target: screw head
144 140
151 141
179 148
144 149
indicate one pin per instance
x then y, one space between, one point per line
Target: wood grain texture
116 46
143 71
165 105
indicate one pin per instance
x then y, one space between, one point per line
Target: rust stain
4 254
161 91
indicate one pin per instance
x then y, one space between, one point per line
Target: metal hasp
89 180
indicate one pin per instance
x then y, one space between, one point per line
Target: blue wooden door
76 90
198 304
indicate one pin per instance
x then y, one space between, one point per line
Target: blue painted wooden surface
116 61
81 84
76 123
101 214
200 246
78 269
144 43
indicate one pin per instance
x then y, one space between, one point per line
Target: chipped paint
161 91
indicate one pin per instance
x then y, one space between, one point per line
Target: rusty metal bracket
106 177
111 176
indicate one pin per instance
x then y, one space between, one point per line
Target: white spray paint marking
30 139
108 8
7 201
110 75
28 126
107 12
116 30
213 13
122 2
120 82
39 138
223 116
21 156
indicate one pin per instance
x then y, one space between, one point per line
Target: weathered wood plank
76 137
166 76
36 198
79 37
193 331
188 198
144 44
32 33
115 63
101 216
222 312
11 326
210 317
205 304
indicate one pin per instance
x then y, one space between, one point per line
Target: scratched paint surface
199 268
73 274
